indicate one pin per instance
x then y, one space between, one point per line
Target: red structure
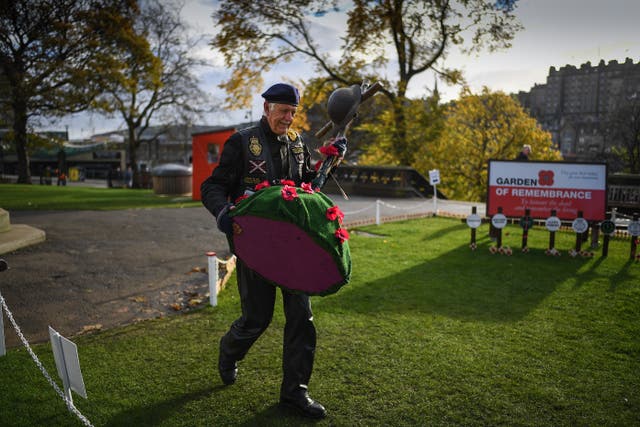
206 148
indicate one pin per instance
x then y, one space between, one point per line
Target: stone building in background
576 105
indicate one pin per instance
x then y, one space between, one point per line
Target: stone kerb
16 236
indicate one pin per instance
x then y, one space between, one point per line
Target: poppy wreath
503 250
552 252
296 228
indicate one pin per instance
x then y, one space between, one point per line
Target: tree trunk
133 158
20 135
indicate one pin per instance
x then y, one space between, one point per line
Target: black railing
380 181
623 192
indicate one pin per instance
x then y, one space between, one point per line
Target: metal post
499 236
435 201
525 227
605 240
552 234
378 202
579 236
474 210
212 267
634 239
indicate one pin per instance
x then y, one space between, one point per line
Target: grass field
45 197
428 332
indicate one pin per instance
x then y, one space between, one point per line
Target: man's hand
341 146
336 147
224 221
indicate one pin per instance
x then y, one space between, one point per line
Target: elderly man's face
279 116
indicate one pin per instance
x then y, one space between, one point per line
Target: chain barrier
378 219
408 208
57 389
359 210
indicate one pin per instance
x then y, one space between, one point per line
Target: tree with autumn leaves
153 78
392 42
475 129
128 58
52 55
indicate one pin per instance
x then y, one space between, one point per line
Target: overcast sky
556 33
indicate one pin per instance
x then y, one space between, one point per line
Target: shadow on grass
595 272
160 411
622 275
462 284
275 415
441 232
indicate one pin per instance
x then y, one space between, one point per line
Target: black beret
282 93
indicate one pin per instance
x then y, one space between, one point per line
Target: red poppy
317 166
263 184
241 198
342 234
289 193
329 150
306 187
287 182
333 213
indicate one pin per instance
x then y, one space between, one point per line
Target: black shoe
304 405
228 370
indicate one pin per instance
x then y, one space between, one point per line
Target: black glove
224 221
341 146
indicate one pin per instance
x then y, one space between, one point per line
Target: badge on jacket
292 134
254 146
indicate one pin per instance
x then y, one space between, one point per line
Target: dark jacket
251 156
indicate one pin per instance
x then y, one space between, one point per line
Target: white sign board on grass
65 352
553 223
580 225
434 176
499 220
474 221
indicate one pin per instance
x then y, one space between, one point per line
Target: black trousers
257 298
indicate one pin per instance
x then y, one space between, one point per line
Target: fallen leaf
139 298
90 328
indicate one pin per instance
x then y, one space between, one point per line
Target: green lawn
428 332
45 197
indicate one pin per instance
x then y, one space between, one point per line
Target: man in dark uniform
269 151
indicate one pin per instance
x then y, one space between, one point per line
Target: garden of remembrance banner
542 186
